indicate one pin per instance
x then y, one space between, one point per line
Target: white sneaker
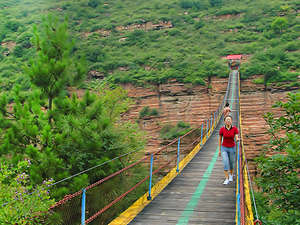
230 178
226 181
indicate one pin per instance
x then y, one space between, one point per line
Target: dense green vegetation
58 132
17 205
169 132
190 50
140 42
146 112
278 180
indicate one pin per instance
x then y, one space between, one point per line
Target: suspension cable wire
84 171
120 156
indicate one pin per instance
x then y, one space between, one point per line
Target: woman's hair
227 116
227 104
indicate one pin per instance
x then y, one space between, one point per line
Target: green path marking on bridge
189 209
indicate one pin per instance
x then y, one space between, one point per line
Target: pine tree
76 134
53 68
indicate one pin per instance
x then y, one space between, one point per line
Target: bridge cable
84 171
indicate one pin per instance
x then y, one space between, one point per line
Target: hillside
152 41
169 58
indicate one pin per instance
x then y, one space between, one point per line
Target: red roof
234 57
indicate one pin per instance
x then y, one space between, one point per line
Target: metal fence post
214 117
178 155
150 179
83 207
201 133
207 126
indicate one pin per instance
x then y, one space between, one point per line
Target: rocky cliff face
192 104
175 102
254 103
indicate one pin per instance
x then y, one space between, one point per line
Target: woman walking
227 147
226 110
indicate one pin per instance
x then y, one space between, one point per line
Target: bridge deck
197 195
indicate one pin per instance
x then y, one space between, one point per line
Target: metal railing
244 214
103 200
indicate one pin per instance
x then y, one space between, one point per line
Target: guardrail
244 214
103 200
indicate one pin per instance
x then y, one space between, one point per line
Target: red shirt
228 136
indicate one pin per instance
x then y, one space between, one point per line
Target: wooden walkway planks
216 205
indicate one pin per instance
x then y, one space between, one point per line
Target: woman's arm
237 137
236 134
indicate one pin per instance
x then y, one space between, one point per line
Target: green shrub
17 205
169 132
186 4
12 25
136 37
279 24
95 54
197 4
228 11
18 51
199 24
296 28
251 16
182 124
25 40
215 2
201 4
188 19
289 37
146 111
258 81
154 112
174 32
93 3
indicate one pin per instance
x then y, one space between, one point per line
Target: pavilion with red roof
234 57
234 61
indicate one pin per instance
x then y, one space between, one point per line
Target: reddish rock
192 104
175 102
146 26
255 102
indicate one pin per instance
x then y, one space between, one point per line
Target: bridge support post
207 127
150 178
215 118
178 155
201 134
83 207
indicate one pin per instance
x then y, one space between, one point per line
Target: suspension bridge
184 184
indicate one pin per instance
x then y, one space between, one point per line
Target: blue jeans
228 157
